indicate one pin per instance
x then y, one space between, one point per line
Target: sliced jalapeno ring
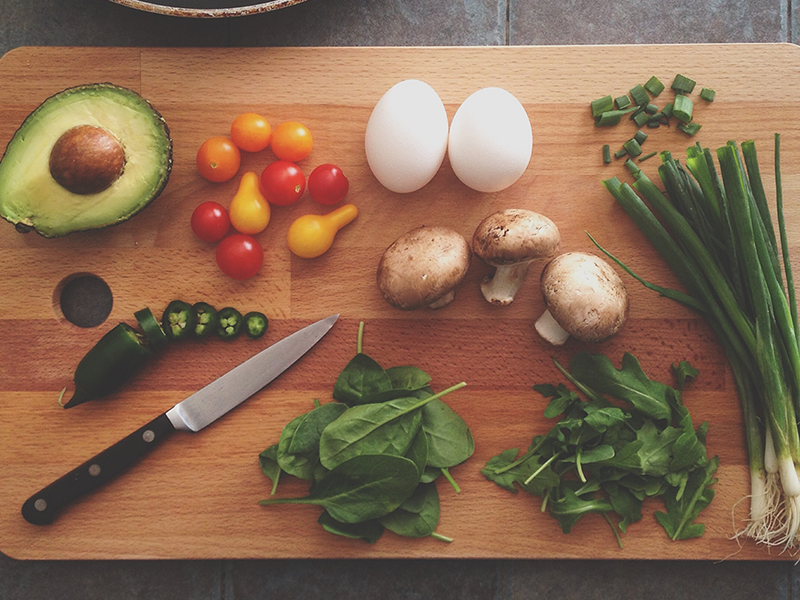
109 364
255 324
206 317
178 320
230 323
151 328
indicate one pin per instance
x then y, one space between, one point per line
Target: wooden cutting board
197 496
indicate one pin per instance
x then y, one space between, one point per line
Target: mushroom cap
515 235
422 266
585 296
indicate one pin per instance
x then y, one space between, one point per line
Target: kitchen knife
192 414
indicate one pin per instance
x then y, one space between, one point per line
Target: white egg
490 140
406 137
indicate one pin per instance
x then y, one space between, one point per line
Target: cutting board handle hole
83 299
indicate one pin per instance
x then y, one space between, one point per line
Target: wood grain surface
197 496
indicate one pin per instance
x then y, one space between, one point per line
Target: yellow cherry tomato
312 235
249 211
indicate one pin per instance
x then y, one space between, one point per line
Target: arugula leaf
561 398
683 371
628 383
625 503
570 507
678 521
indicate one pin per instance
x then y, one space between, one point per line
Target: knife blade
192 414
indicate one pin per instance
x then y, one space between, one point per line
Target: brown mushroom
510 240
423 267
585 298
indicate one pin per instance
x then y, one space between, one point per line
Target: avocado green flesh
29 195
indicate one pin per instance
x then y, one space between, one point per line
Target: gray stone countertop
400 22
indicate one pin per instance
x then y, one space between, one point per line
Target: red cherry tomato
327 184
240 256
210 221
282 183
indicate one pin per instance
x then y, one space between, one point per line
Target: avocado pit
86 159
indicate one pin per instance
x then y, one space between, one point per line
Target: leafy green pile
606 458
373 455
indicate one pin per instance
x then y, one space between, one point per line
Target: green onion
683 108
707 94
602 105
641 118
606 154
640 137
622 102
667 110
646 156
632 147
639 95
654 86
632 167
689 128
651 109
620 153
683 85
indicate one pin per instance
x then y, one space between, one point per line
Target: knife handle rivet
40 505
94 470
148 435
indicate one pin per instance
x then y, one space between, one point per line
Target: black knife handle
41 508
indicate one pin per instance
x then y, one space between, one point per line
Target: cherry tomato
282 183
291 141
251 132
218 159
240 256
210 221
327 184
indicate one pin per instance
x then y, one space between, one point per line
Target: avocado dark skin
86 159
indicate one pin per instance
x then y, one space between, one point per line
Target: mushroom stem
501 287
550 330
444 300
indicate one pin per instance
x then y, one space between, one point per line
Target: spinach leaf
298 448
362 377
417 516
418 452
450 441
408 378
369 531
268 460
387 428
363 488
430 474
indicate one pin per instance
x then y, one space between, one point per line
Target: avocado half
88 157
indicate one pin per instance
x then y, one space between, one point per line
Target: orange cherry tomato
291 141
251 132
218 159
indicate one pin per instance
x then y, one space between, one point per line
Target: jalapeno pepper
207 319
178 320
255 324
151 328
109 364
230 323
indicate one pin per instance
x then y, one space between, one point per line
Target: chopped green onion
602 105
610 117
683 85
707 94
606 153
620 153
683 108
646 156
632 167
689 128
622 102
653 123
667 110
640 137
654 86
651 109
639 95
632 147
